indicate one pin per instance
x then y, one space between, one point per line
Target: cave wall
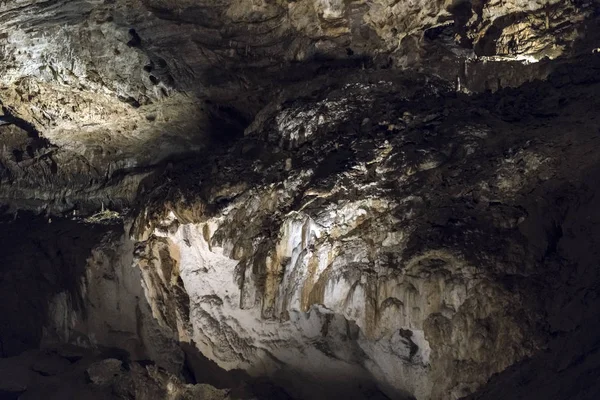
413 233
39 261
67 281
387 236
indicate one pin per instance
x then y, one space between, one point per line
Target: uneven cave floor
509 180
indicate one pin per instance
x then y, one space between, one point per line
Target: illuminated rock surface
299 199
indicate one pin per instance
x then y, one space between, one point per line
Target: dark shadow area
487 46
461 13
285 384
39 259
226 124
200 369
38 142
568 368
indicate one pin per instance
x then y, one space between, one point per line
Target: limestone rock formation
411 235
299 199
118 86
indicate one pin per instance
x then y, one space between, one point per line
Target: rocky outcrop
390 231
382 236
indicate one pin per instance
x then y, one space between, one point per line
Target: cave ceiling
96 93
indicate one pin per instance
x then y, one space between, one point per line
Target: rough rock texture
93 375
383 199
384 229
39 261
118 86
80 288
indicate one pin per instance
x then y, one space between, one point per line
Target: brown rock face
429 221
383 199
115 87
